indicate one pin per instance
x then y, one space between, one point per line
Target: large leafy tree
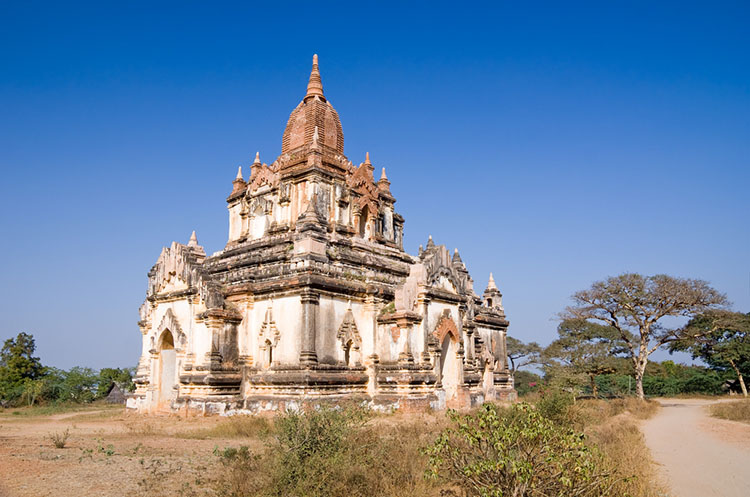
585 349
721 339
635 306
18 366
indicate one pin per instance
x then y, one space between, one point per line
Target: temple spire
367 158
315 85
383 176
239 173
491 284
257 158
193 240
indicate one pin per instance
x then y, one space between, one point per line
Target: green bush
516 451
315 453
555 404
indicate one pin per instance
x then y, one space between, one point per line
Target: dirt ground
109 453
698 455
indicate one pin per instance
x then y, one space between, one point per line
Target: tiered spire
315 85
491 284
193 240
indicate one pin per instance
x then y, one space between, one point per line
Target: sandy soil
109 453
698 455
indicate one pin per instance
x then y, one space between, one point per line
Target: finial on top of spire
315 85
457 257
257 158
430 243
367 158
239 174
383 176
193 240
491 284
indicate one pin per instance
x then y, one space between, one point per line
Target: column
310 302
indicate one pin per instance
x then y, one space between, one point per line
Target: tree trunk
640 369
739 376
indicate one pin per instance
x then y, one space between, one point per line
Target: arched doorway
167 369
363 219
449 377
268 359
348 353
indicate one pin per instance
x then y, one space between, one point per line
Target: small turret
383 183
492 296
255 167
430 243
238 184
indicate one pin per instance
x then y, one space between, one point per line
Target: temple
314 299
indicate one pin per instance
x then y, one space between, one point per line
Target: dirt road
698 455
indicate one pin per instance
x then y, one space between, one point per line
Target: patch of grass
61 408
239 426
621 441
59 439
738 410
142 426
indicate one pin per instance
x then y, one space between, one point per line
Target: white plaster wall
287 314
235 222
331 314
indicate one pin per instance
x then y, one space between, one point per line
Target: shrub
59 439
242 473
555 404
315 454
516 451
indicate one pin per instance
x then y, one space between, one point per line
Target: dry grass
234 427
621 441
738 410
178 456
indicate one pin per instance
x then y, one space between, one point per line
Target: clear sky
554 144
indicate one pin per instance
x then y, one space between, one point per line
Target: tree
634 305
720 338
123 378
522 354
79 385
585 349
18 366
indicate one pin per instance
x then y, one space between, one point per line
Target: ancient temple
314 299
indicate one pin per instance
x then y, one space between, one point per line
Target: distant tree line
24 380
606 338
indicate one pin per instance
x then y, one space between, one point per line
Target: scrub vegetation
738 410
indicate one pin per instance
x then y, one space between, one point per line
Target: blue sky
554 144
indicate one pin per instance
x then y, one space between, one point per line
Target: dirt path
699 456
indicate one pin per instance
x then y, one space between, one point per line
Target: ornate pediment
170 322
348 331
446 326
268 331
176 269
262 175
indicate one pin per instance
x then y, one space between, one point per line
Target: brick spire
315 86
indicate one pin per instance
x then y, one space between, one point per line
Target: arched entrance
363 220
167 369
449 365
